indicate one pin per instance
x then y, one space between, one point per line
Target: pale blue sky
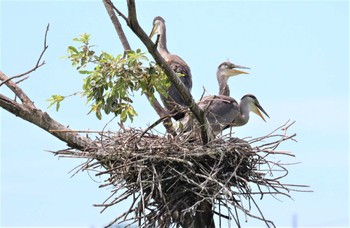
298 52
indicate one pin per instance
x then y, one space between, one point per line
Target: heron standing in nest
223 111
174 102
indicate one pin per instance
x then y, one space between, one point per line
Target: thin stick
77 131
37 65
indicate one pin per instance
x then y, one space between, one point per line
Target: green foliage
55 99
110 81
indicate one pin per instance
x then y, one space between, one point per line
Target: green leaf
180 74
98 114
55 99
72 49
131 111
123 116
58 104
85 72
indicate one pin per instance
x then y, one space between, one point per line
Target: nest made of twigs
167 179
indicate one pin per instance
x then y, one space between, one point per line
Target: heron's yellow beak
258 109
154 31
234 71
259 114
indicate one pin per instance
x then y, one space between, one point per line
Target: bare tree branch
44 121
16 90
118 27
37 65
27 110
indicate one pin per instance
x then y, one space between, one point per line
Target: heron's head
254 106
228 69
158 25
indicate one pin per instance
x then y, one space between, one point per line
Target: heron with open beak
223 111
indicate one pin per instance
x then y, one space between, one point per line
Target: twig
37 65
154 125
17 91
77 131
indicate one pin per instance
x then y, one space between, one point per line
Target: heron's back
174 102
220 111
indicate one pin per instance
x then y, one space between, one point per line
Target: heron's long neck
243 117
163 50
224 89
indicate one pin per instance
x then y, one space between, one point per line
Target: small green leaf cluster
110 81
55 99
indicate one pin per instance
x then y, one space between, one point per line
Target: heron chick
174 102
223 111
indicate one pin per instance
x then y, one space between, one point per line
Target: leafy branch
56 99
110 81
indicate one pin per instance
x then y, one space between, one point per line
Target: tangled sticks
167 179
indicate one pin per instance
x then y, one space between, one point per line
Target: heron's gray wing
220 110
174 102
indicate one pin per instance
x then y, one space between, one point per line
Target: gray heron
174 102
223 111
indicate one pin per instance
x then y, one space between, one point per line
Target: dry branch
29 112
37 65
132 22
168 179
118 27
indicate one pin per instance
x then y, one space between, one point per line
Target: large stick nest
167 179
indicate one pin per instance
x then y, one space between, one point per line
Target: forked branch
132 22
28 111
37 65
154 102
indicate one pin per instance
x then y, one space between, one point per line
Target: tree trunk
204 217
